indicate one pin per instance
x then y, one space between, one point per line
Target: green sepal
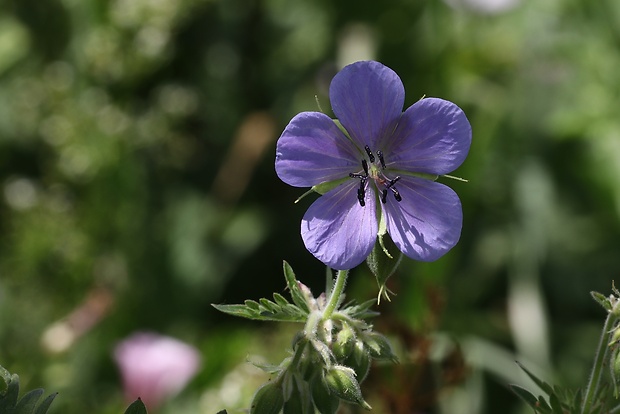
341 382
323 187
379 347
359 361
381 262
300 400
136 407
323 400
269 399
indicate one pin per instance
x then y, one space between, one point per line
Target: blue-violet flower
376 168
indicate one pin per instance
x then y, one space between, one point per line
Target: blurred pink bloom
155 367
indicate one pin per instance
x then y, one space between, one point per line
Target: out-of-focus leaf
136 407
28 402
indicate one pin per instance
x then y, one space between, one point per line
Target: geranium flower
375 167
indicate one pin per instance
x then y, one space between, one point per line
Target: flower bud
268 399
359 361
325 402
299 401
341 382
345 341
379 347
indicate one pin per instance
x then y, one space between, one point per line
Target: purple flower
155 367
376 166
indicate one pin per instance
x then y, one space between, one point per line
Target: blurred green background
137 187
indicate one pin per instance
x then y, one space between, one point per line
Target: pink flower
154 367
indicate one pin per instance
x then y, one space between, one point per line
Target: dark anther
381 160
369 152
396 194
392 182
365 166
384 196
361 192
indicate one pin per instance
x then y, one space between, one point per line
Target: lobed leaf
28 402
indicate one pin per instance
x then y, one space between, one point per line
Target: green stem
599 362
335 294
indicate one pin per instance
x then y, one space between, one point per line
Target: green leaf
556 406
259 312
28 402
45 405
280 300
602 300
543 385
136 407
9 399
360 311
525 395
293 286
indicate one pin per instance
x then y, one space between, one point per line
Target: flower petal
313 150
367 98
427 223
337 230
433 136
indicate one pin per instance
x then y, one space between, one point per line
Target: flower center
375 172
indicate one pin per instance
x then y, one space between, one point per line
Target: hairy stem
336 294
599 362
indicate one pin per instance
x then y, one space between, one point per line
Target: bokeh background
137 187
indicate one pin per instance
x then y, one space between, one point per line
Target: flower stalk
602 353
336 294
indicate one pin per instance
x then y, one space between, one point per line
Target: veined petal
337 230
427 223
313 150
367 97
433 136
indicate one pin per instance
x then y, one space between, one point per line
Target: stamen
396 194
369 152
365 166
381 160
392 182
361 193
384 196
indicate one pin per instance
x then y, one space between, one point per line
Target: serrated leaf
291 282
136 407
543 385
45 405
28 402
289 313
280 300
525 395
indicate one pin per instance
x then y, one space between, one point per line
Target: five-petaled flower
377 166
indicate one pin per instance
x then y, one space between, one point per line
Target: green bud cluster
331 356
